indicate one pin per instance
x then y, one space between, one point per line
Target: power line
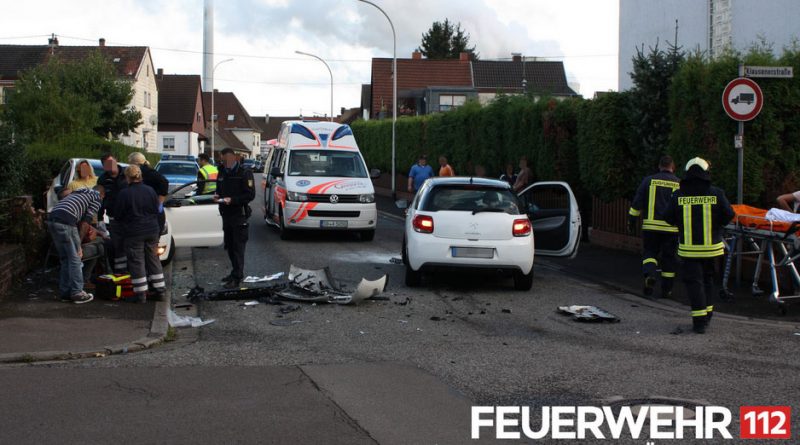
24 37
287 83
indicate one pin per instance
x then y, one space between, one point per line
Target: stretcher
774 243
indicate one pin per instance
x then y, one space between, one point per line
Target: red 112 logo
765 422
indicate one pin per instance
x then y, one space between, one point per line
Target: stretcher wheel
782 309
726 295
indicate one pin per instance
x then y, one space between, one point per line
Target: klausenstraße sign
781 72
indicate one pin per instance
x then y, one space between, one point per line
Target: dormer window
230 118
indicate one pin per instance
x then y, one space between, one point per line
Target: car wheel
367 235
413 277
403 253
523 281
285 234
171 252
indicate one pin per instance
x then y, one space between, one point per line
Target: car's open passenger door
194 219
553 211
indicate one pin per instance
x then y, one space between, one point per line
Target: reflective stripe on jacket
653 196
700 219
209 173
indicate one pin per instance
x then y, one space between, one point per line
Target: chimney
160 73
102 42
52 41
516 57
464 57
416 55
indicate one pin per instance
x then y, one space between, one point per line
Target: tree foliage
61 98
445 41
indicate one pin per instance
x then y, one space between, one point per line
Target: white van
316 179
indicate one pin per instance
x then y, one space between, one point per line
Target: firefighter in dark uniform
235 190
658 236
700 211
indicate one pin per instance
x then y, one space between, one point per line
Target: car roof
467 180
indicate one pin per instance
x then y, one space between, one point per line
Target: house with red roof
181 118
232 125
132 63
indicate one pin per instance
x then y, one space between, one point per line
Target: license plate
333 224
472 252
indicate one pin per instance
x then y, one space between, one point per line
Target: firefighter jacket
236 183
652 198
700 211
207 179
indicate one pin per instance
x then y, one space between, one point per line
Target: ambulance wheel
285 233
367 235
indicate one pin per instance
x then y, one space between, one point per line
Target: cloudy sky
263 35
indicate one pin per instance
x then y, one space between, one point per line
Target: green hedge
45 159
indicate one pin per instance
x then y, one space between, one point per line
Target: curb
669 305
158 331
391 216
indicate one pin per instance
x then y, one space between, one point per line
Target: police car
192 221
178 169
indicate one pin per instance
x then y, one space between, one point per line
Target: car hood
328 185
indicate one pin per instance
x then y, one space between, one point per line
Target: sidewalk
621 270
34 326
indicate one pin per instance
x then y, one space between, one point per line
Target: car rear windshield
326 163
470 198
175 168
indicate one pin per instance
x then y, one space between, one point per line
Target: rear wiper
488 209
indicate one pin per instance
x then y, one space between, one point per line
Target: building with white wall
709 25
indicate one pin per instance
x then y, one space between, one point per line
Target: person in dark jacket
113 182
700 211
137 209
235 190
156 181
658 237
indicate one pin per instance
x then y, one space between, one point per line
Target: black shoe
232 284
666 294
227 278
649 284
699 325
708 319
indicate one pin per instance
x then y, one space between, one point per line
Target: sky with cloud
263 35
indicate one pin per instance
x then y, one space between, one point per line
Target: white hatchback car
480 223
192 220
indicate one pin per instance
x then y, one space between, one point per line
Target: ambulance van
316 179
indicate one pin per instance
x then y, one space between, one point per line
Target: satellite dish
154 119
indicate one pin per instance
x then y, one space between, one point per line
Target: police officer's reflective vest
652 196
209 173
700 219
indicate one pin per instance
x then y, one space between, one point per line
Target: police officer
235 190
700 211
207 175
658 236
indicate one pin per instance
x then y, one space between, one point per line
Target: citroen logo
473 226
334 199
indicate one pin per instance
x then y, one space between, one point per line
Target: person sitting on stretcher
789 201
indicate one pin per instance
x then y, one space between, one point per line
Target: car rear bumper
427 252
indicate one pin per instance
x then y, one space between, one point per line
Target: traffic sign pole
740 154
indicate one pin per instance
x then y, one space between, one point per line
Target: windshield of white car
341 164
177 169
470 198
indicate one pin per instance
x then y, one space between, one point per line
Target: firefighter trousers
663 245
698 276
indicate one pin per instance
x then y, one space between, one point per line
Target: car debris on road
588 313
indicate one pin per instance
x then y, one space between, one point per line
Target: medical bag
114 287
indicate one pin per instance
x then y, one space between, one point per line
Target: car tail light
423 224
522 227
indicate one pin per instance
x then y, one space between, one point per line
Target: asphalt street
402 370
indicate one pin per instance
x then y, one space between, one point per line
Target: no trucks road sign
742 99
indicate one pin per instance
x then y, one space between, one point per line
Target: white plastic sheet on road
184 321
272 277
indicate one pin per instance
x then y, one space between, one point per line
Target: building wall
145 100
186 143
710 25
250 139
650 21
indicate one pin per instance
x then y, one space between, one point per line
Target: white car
480 223
192 221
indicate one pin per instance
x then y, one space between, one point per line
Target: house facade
181 118
233 127
132 63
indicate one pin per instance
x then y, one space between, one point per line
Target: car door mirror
374 173
276 172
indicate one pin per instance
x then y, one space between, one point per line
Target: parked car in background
192 221
178 169
478 223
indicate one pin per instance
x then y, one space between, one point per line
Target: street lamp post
213 118
394 92
329 72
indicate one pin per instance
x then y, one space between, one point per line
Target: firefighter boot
699 325
709 313
649 285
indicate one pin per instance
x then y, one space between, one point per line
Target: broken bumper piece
588 313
